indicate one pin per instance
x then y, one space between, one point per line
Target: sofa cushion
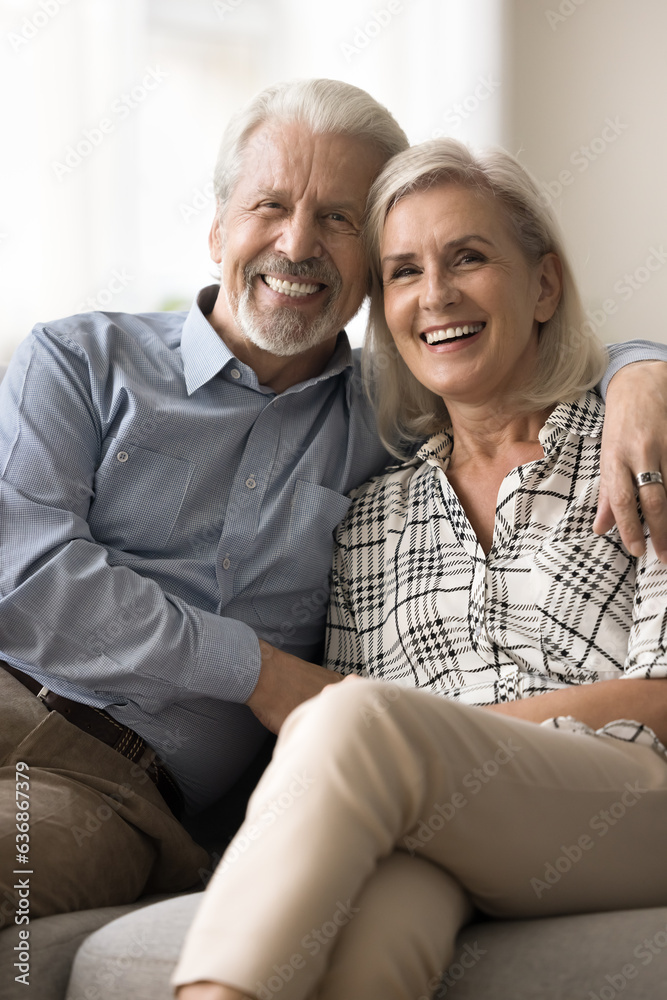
53 944
578 957
559 958
134 958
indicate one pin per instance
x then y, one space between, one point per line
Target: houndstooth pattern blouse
415 600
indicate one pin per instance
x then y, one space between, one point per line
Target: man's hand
284 682
634 440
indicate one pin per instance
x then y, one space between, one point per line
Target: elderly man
170 484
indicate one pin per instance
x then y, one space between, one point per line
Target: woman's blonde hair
570 357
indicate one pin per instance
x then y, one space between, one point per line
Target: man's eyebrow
347 206
282 195
271 193
397 258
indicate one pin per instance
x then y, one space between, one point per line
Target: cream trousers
388 812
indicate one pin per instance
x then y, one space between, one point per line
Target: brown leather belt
99 724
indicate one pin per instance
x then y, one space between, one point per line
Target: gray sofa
129 951
554 959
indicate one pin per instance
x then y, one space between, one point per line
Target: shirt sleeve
647 645
66 610
621 355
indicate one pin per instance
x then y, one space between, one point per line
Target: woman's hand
597 704
634 440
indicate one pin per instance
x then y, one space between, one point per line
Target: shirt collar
584 417
205 354
435 450
339 363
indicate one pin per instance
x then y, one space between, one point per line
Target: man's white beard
284 332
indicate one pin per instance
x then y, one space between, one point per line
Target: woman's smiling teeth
452 333
292 288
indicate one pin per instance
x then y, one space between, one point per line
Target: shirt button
478 630
235 373
226 563
122 456
250 482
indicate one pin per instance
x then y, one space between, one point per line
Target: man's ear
215 241
551 287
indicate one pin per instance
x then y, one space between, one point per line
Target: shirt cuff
229 662
621 355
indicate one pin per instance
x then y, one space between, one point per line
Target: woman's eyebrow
397 258
453 244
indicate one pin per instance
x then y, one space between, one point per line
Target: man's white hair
324 106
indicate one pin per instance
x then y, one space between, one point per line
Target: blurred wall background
587 115
111 113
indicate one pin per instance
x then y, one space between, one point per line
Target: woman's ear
551 287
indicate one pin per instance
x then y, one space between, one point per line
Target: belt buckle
42 694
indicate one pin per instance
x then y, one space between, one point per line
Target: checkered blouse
415 599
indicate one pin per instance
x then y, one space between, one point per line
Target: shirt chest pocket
299 580
138 496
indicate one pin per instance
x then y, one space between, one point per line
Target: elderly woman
506 750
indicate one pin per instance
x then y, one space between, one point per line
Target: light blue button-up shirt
159 510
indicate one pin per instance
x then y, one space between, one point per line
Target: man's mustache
317 271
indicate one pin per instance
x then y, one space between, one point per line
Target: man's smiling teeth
437 336
292 288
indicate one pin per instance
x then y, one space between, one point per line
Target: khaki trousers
388 812
97 830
